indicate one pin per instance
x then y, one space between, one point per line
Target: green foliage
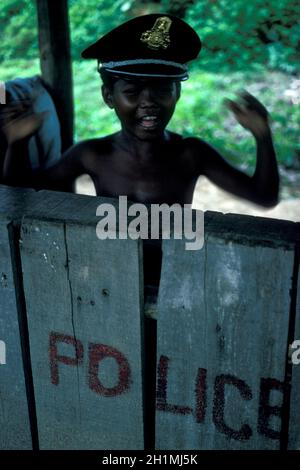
176 7
19 68
18 30
93 18
93 118
236 34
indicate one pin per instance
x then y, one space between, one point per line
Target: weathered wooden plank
252 230
15 430
54 205
85 321
294 425
69 207
15 201
223 315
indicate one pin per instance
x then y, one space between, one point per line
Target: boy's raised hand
18 121
250 113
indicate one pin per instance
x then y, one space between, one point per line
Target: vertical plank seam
204 277
284 440
67 266
16 265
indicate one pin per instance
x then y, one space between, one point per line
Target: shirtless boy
142 63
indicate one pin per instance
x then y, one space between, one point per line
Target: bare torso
164 174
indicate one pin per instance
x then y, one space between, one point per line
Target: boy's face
144 107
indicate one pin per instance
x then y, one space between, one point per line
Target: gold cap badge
158 36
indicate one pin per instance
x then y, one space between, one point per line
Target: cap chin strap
182 76
112 67
123 63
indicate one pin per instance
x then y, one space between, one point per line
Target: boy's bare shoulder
195 153
195 144
97 146
191 143
201 154
91 151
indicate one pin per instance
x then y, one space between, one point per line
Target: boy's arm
20 126
59 177
263 187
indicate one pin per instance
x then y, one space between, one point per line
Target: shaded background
245 45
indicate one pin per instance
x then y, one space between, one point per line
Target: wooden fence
208 367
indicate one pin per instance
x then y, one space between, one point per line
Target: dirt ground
207 196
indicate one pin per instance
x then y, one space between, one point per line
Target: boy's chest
169 182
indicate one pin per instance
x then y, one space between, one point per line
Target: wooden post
55 60
17 419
